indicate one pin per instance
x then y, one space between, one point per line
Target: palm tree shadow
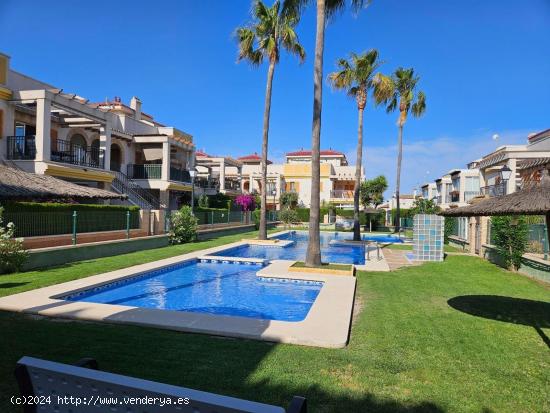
531 313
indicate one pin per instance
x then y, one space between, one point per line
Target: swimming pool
344 254
221 289
382 238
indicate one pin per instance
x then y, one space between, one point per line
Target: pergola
369 212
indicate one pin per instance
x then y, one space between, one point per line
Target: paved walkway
397 258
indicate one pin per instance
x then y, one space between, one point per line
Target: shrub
12 254
424 206
183 226
289 200
449 228
219 201
510 236
288 216
203 201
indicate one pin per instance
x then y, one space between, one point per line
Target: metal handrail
21 147
138 195
75 154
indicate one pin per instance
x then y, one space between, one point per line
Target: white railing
341 193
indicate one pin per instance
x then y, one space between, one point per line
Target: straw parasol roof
16 184
532 200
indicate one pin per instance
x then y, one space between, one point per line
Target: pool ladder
377 251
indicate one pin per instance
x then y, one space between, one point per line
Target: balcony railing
468 195
67 152
341 194
177 174
499 189
232 185
144 171
21 147
206 184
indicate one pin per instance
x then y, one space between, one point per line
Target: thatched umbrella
534 199
17 185
371 211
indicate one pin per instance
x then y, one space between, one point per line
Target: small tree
424 206
183 226
510 235
289 200
288 217
12 254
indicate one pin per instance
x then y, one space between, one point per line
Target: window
20 129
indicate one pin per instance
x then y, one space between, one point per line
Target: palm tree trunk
357 188
313 255
267 109
398 178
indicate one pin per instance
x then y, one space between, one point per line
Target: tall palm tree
325 9
405 97
272 29
359 76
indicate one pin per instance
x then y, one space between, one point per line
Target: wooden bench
94 389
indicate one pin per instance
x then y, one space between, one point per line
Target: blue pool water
382 238
221 288
345 254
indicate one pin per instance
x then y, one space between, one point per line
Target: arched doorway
78 149
116 157
94 152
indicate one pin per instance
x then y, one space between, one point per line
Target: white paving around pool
326 325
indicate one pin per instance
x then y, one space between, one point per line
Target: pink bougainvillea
246 202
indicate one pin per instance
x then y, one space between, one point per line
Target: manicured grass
15 283
447 248
325 265
411 349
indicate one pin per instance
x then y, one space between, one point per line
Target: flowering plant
246 202
12 254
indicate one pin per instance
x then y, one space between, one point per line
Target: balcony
154 171
21 147
178 174
144 171
341 194
499 189
66 152
231 185
469 195
24 148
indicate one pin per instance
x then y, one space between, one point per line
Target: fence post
74 227
212 217
127 224
228 212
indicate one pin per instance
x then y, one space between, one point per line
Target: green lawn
411 350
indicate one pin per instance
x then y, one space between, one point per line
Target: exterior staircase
136 194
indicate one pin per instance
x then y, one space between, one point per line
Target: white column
222 175
43 129
165 176
105 144
512 163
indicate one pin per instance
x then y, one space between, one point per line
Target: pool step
232 260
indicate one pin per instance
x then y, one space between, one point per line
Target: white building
108 144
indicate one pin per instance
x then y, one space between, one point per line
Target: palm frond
419 107
383 89
392 105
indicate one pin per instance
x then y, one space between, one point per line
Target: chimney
4 68
135 104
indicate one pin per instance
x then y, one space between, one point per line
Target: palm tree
405 97
325 9
272 29
358 77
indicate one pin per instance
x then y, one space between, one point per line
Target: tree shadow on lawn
531 313
12 285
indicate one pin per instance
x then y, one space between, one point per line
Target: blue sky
484 67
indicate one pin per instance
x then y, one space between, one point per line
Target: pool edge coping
322 327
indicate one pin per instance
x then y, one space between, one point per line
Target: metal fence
38 223
537 238
206 218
